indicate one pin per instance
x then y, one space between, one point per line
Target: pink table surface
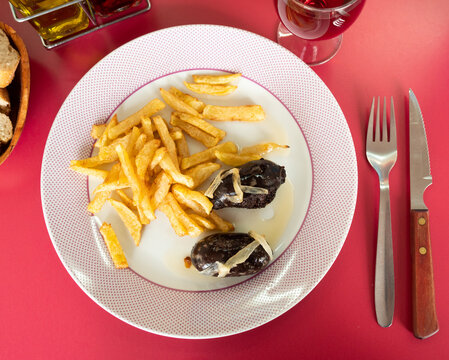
394 46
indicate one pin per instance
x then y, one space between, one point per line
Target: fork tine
384 122
369 131
392 123
377 132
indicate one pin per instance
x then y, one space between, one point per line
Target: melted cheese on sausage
240 257
239 189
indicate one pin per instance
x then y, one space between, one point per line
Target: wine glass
312 29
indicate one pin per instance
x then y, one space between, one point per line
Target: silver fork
381 153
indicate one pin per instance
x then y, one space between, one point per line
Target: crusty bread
9 60
5 105
5 128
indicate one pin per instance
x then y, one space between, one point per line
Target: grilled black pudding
220 247
258 173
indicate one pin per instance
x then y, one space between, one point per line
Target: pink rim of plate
250 304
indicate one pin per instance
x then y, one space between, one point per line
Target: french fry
108 153
215 79
189 203
104 138
202 172
222 224
130 219
114 174
100 198
207 155
196 196
113 184
146 206
126 199
140 193
89 162
166 139
160 188
144 220
149 109
193 229
97 131
114 247
128 169
90 171
122 177
157 169
202 124
135 133
145 156
262 149
167 164
176 224
141 140
177 104
181 144
176 134
198 105
235 160
147 127
209 89
194 132
158 155
107 187
234 113
204 222
96 204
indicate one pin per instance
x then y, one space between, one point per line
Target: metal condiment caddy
96 22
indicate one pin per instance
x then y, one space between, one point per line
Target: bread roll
5 105
9 60
5 128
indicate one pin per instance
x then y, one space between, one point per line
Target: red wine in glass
316 20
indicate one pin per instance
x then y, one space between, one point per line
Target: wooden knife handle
425 321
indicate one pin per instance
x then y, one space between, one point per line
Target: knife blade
425 322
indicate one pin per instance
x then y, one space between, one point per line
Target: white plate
160 255
273 75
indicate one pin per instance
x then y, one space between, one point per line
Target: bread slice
9 60
5 128
5 105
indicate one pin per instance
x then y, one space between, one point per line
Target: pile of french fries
146 165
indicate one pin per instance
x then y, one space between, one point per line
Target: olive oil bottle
57 24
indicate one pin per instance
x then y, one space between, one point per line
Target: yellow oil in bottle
57 24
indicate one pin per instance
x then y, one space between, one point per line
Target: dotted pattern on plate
239 308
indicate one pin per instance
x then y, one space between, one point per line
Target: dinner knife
425 321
